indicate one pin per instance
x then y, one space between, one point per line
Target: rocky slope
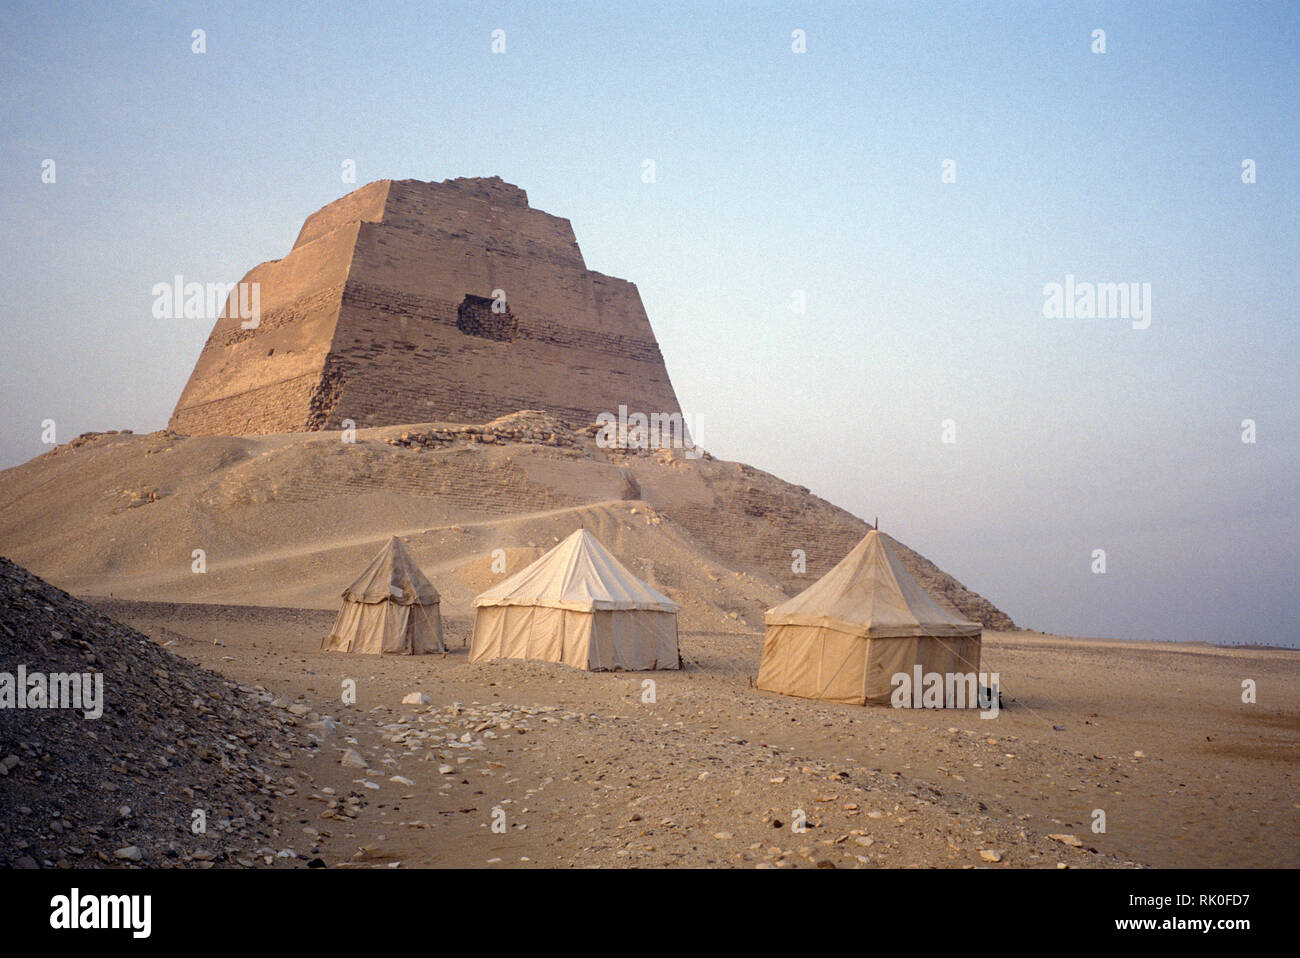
123 788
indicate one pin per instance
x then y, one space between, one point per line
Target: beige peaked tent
845 636
577 605
392 607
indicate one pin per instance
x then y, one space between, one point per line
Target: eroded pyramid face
407 302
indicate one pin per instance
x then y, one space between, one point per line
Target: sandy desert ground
577 769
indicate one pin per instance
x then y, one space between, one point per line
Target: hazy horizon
776 172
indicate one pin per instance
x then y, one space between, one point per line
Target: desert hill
289 519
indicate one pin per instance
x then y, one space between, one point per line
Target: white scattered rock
417 698
352 759
990 855
1067 840
401 780
131 853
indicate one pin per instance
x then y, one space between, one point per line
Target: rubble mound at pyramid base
121 788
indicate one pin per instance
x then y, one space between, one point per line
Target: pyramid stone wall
382 315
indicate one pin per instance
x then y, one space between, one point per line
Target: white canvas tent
391 607
577 605
846 636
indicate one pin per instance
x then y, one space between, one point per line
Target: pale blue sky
775 172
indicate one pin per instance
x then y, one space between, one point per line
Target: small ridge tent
577 605
392 607
848 634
